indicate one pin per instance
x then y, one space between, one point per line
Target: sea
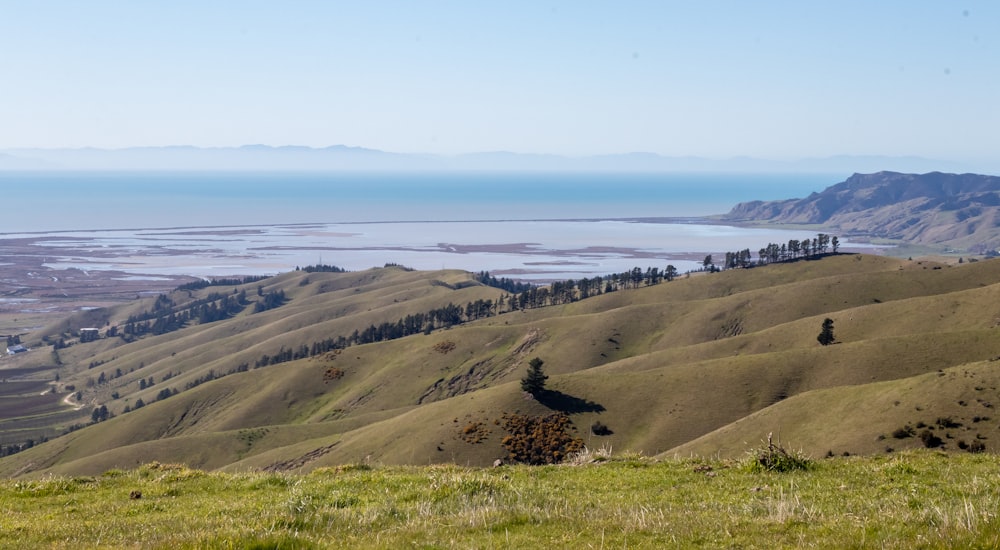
530 226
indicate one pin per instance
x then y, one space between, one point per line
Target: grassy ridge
921 499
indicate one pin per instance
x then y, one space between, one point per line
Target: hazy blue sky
711 78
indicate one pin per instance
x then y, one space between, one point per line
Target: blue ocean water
530 226
60 201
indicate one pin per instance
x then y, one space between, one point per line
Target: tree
835 242
534 381
826 335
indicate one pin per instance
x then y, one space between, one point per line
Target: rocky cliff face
957 210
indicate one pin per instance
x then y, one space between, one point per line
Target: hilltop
251 375
959 211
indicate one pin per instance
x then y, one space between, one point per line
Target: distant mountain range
341 157
961 211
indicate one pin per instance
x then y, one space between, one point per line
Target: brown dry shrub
474 432
539 439
332 373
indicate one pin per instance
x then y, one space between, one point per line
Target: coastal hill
959 211
394 366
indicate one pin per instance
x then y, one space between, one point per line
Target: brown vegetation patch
328 356
539 439
474 432
444 347
331 374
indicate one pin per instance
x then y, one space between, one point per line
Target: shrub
903 433
772 457
598 428
947 422
930 440
332 373
539 439
474 432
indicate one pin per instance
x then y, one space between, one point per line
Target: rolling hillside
707 364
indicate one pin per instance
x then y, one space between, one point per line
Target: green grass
918 499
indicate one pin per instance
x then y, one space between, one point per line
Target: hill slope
957 210
700 364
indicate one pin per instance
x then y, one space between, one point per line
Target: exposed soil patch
296 463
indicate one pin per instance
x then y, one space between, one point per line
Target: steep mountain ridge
957 210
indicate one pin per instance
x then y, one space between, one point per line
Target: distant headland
957 211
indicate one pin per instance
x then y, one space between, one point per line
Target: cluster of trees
564 292
221 281
321 268
100 414
793 250
166 317
503 283
139 403
14 448
271 300
212 375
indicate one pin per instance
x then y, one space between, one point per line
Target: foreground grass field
907 500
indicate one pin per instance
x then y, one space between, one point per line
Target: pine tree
534 381
826 335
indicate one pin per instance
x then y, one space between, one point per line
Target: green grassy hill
707 364
920 499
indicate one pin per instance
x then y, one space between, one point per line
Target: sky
768 79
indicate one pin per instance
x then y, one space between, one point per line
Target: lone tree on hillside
826 335
534 381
